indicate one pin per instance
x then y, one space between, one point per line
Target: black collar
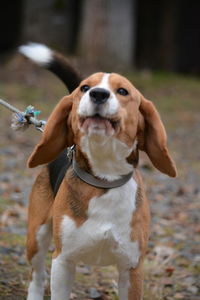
91 179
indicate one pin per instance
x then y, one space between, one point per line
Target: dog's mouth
98 123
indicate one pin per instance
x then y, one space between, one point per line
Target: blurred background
142 34
156 44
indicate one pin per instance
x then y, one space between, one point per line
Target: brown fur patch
129 108
72 200
57 134
153 139
140 232
141 218
136 282
39 210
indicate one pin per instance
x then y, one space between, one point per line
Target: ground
172 265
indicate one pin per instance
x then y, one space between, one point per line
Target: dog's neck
107 159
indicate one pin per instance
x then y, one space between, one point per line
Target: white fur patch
109 108
62 277
107 156
123 284
104 238
38 53
36 286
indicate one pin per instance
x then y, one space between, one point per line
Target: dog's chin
97 125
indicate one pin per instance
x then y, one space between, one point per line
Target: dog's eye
122 91
85 88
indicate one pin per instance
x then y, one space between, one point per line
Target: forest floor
172 265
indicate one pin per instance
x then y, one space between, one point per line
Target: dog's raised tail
53 61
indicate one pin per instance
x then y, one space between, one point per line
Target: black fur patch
57 170
63 69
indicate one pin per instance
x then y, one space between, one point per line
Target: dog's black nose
99 95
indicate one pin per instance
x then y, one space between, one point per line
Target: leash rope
22 120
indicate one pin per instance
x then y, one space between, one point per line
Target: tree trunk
52 22
107 34
11 19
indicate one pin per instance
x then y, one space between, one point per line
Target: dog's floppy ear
57 134
152 138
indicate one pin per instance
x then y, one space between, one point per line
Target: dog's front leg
131 283
62 277
123 284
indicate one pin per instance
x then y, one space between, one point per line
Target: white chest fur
104 238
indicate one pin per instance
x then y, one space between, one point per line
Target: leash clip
70 151
41 126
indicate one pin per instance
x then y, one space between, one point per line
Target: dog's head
105 106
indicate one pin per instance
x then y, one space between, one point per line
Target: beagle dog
99 214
